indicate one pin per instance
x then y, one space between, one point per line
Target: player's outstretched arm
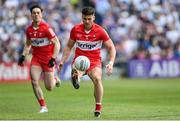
112 54
66 52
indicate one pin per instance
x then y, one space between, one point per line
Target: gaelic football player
88 38
45 48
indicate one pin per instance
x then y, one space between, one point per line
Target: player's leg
50 80
35 72
96 75
56 77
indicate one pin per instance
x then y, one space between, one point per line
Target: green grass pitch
124 99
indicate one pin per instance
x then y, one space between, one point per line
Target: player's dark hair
88 11
36 6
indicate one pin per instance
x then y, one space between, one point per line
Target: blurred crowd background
140 29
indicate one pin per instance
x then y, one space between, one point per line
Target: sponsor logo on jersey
84 45
40 41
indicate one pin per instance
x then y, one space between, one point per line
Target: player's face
36 15
88 21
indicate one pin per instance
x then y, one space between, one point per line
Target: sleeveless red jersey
41 37
89 44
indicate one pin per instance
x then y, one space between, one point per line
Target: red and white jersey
89 43
41 37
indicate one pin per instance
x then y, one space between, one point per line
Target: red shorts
93 65
36 61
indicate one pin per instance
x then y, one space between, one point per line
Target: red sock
98 107
42 102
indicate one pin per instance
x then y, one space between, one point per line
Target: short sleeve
105 35
50 33
27 35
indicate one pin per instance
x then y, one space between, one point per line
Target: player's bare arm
112 54
27 47
26 50
66 52
56 43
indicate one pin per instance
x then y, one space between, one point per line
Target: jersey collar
35 28
92 28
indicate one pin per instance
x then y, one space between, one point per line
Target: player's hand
51 62
60 66
109 69
21 60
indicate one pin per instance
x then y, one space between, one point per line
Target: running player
88 38
45 48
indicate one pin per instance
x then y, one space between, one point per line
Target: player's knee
34 83
49 88
97 81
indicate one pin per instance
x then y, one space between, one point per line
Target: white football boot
43 109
